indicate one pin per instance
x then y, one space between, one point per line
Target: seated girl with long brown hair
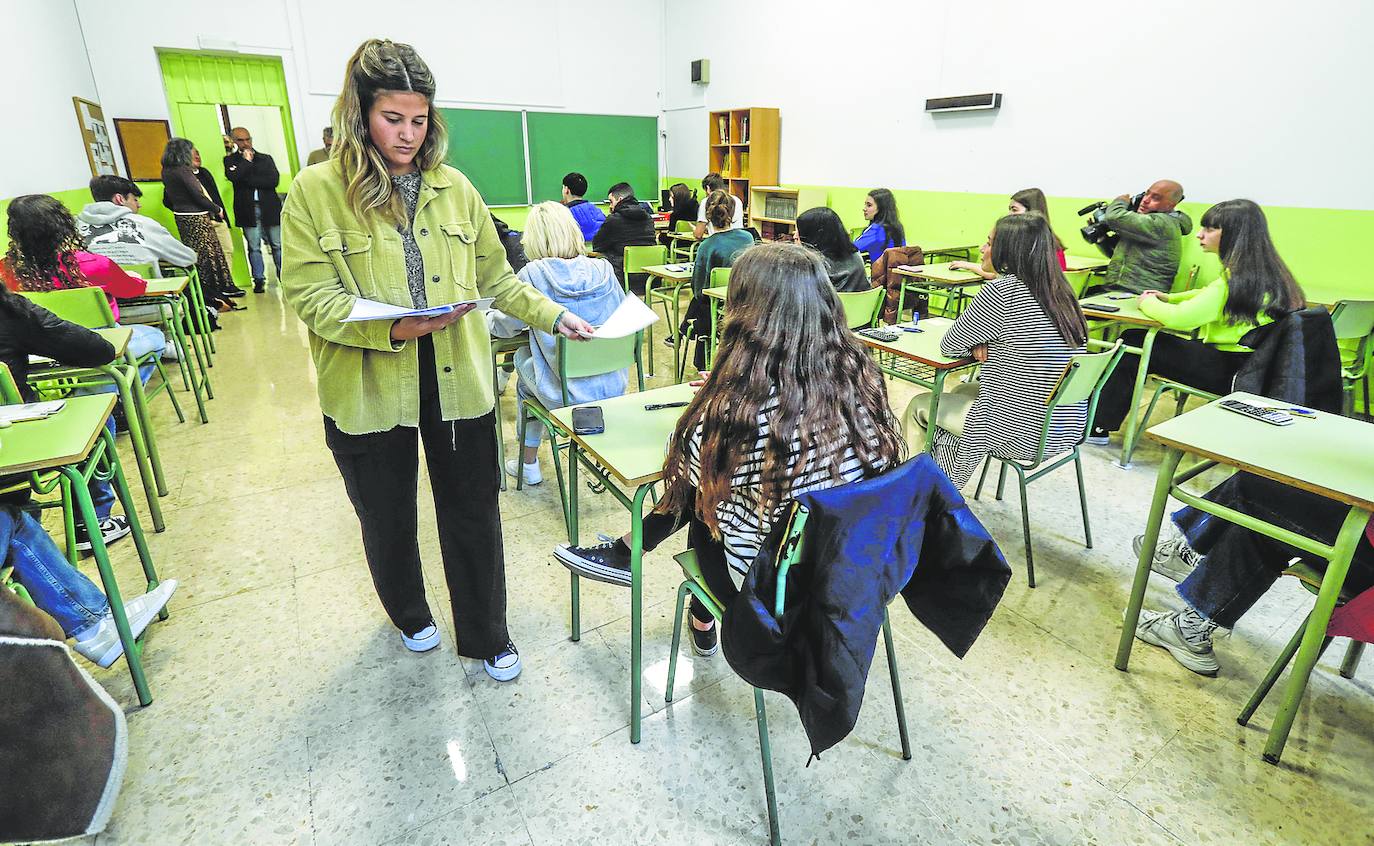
794 404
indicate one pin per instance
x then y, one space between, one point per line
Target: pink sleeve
1063 262
102 272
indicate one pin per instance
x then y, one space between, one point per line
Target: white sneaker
103 647
505 665
1174 558
422 641
502 379
1189 643
532 474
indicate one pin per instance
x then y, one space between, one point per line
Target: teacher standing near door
384 219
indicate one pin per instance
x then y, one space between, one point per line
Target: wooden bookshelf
744 149
774 209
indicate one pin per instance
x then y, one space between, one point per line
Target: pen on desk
911 329
655 406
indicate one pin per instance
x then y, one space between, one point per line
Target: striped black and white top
743 525
1026 357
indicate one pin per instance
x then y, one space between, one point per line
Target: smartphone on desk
1123 295
1103 307
588 420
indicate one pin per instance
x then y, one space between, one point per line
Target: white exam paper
373 310
628 318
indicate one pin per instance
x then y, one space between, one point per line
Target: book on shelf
723 124
784 208
744 130
743 165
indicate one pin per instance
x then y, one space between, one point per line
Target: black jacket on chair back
907 531
1296 360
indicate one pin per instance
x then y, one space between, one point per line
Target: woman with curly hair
794 404
196 215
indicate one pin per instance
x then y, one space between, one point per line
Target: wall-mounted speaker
967 103
701 71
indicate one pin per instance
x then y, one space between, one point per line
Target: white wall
1229 97
43 66
541 54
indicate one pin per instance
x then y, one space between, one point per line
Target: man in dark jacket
628 225
257 209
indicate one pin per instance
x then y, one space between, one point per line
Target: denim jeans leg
274 241
252 235
56 586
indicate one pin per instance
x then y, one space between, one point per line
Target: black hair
576 184
106 186
1257 277
177 153
1023 246
621 190
712 182
886 216
822 228
1033 199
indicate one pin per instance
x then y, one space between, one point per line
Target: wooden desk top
1130 310
635 443
940 273
922 347
1084 262
64 438
718 292
667 271
1325 454
166 286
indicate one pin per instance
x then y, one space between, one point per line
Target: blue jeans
254 235
56 586
524 372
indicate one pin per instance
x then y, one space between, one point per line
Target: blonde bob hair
379 66
551 232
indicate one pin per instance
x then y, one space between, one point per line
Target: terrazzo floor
287 712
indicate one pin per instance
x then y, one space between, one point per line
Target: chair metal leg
1352 659
766 753
1001 481
682 593
1025 527
1267 683
500 435
978 491
575 606
1083 499
167 388
520 417
896 687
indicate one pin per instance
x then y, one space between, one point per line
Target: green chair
1194 266
1078 281
1353 321
7 582
861 308
1082 381
679 250
789 554
638 258
591 357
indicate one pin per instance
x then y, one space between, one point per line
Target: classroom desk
630 452
923 350
934 278
682 246
671 281
170 292
1326 454
123 372
964 253
75 443
1129 317
1077 263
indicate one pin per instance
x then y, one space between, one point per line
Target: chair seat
1311 578
690 568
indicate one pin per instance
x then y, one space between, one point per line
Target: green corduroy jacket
366 381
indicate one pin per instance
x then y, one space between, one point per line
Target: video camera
1098 231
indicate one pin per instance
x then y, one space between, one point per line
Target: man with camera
1147 239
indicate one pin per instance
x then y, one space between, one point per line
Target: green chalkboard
605 148
489 147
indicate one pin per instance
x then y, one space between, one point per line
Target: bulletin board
141 142
95 138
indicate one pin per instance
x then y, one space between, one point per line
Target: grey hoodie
589 289
116 232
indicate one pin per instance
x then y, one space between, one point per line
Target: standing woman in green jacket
1255 288
385 219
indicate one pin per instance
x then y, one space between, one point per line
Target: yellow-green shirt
1203 309
367 382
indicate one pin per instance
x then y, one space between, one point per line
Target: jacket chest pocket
351 254
460 240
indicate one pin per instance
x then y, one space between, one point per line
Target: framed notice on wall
141 142
94 136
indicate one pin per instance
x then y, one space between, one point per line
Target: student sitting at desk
685 206
1023 326
822 230
628 225
589 218
1025 200
718 250
884 226
786 364
712 182
1254 289
559 270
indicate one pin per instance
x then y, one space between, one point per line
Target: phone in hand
588 420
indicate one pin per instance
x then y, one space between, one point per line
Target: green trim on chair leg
1025 523
1083 499
896 687
1280 664
1352 659
683 591
766 754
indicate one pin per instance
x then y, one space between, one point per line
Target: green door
199 123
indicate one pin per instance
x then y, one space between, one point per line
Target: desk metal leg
575 620
1163 482
1315 632
1133 422
711 341
197 347
149 433
125 379
636 609
936 389
185 350
649 331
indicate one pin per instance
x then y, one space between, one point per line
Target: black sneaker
259 286
670 341
233 292
705 643
603 562
504 665
112 528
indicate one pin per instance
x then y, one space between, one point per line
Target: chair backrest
1082 379
9 389
1353 319
1078 280
861 308
720 276
684 226
147 269
82 306
596 356
638 258
1195 267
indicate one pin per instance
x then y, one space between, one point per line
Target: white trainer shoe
1174 558
1190 645
531 471
103 646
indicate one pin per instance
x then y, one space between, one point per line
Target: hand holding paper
373 310
628 318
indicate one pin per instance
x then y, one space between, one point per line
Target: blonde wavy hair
551 232
376 67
